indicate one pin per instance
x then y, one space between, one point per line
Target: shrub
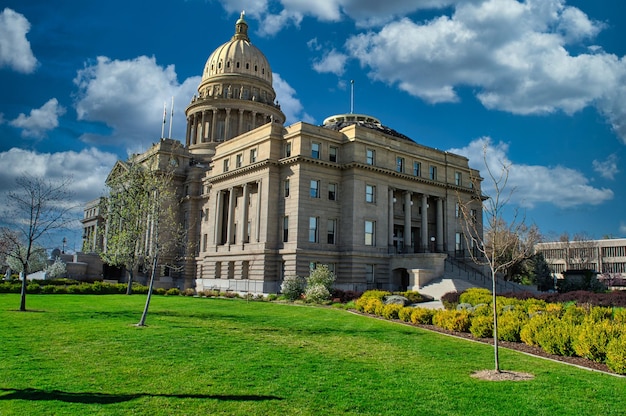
616 354
411 295
557 337
593 338
510 325
322 276
574 315
293 287
453 320
33 287
423 316
600 313
159 291
376 294
482 326
404 314
474 296
370 305
272 297
174 291
450 299
47 289
482 309
189 292
619 315
528 333
391 311
464 307
317 293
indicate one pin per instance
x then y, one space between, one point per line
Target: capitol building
260 200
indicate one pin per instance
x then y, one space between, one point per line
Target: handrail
473 273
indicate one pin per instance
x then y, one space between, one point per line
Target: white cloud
128 96
290 105
40 120
513 55
622 229
533 184
15 51
333 62
607 168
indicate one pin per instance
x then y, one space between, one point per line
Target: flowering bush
293 287
317 293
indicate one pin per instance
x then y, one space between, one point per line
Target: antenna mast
351 96
171 118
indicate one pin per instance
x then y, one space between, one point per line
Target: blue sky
540 83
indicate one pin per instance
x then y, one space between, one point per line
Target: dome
238 57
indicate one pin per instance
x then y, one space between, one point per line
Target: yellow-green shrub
363 304
453 320
619 315
482 326
510 325
423 316
600 313
474 296
593 337
405 313
616 354
371 305
391 311
557 337
528 333
556 309
574 314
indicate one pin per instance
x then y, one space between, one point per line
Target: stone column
193 129
218 217
227 125
253 120
407 221
231 216
188 132
244 214
425 222
440 224
213 125
258 212
390 217
240 128
202 133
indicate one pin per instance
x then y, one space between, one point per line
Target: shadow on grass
104 398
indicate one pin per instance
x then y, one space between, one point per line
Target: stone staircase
459 276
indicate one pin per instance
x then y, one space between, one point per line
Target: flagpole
351 96
164 116
171 118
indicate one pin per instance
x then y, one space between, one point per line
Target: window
433 173
238 160
458 241
399 164
315 189
226 165
285 229
474 215
332 154
458 178
370 228
457 210
370 193
205 238
369 273
370 157
332 230
417 167
313 235
252 155
288 149
218 269
315 150
286 187
332 191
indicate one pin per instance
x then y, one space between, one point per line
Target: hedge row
594 332
67 286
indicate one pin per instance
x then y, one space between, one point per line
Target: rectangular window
399 164
370 157
433 173
417 167
313 234
226 165
238 160
315 150
332 154
315 189
285 229
370 193
288 149
218 269
458 178
457 210
332 191
474 215
458 241
252 155
286 187
332 230
205 239
369 273
370 229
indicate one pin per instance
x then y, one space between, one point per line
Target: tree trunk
129 288
495 324
142 321
23 292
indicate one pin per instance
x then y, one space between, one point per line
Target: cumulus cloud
332 62
290 105
532 184
15 51
513 55
40 120
607 168
128 96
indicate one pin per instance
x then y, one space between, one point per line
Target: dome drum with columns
234 96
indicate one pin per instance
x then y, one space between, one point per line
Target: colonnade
225 215
202 126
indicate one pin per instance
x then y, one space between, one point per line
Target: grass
75 354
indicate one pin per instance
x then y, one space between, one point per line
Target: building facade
261 200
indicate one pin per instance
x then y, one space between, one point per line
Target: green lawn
75 354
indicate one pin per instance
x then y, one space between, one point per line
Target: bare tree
37 207
502 244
